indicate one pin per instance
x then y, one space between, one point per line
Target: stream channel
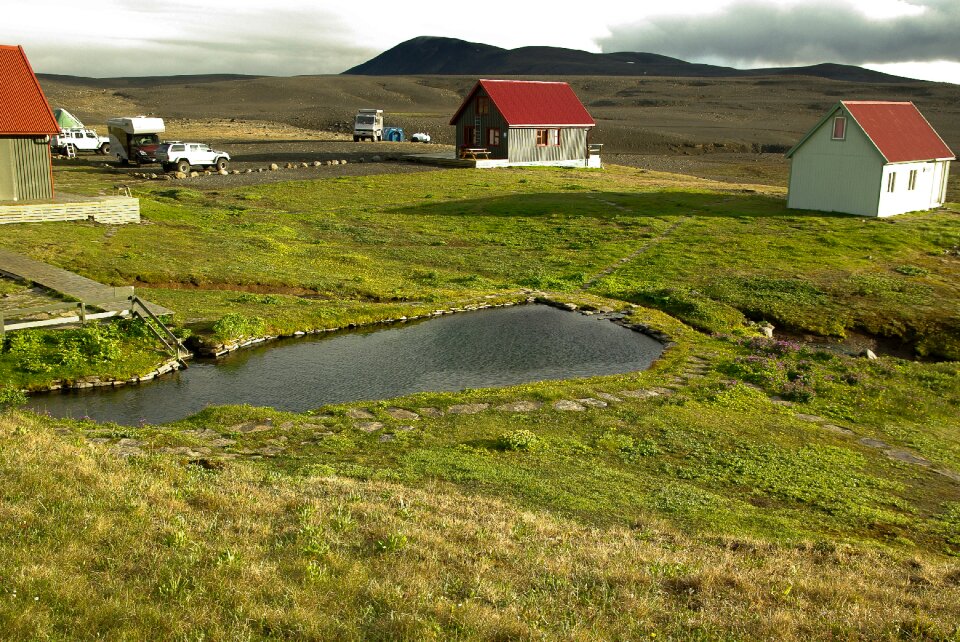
485 348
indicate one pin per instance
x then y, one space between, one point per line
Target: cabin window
483 105
839 128
912 182
493 137
547 137
891 181
469 135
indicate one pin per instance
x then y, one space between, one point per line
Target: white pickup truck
79 139
179 156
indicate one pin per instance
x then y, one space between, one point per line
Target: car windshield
365 120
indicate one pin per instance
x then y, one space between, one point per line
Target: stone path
368 421
897 454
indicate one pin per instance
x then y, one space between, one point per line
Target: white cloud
147 37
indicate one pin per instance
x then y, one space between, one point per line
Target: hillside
450 56
635 115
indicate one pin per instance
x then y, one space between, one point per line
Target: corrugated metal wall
836 175
24 170
492 120
524 148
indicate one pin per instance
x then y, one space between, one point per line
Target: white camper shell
135 139
368 124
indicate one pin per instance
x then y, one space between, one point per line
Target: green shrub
911 270
11 397
238 326
521 439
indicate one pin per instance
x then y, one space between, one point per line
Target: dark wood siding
492 120
524 148
24 169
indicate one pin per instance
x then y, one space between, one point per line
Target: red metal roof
899 130
23 107
527 103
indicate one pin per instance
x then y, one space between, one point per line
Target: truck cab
368 124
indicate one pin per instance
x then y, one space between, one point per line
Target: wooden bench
474 153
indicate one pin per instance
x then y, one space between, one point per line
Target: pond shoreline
221 350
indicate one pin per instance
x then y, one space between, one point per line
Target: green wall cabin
25 168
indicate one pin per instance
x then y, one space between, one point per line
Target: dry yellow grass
94 546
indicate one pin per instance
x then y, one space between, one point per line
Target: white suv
69 141
179 156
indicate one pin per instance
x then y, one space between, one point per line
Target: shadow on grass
619 204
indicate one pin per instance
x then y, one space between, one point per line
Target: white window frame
842 121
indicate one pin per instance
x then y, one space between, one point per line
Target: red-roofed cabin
26 124
525 123
870 158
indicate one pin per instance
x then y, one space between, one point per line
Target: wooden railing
125 304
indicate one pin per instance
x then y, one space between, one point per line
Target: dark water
486 348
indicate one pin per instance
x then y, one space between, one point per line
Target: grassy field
764 492
731 253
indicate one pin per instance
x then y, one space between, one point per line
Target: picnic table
474 153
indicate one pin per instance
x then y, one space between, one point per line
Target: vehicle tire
183 166
356 139
379 138
221 164
104 149
123 162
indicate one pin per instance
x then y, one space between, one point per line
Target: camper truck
368 124
135 140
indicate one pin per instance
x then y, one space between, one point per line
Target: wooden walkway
71 284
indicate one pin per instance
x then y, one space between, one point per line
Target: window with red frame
541 137
483 105
553 137
493 137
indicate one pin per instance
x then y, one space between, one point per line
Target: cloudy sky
101 38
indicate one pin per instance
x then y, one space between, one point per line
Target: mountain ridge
437 55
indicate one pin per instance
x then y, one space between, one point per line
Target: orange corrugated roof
531 103
23 107
899 130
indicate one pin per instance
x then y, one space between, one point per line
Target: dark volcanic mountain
431 55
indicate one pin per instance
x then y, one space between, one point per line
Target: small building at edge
26 124
526 123
870 158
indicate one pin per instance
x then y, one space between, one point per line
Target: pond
485 348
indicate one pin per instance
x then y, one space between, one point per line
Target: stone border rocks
168 366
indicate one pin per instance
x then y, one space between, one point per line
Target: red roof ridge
532 103
525 82
877 102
